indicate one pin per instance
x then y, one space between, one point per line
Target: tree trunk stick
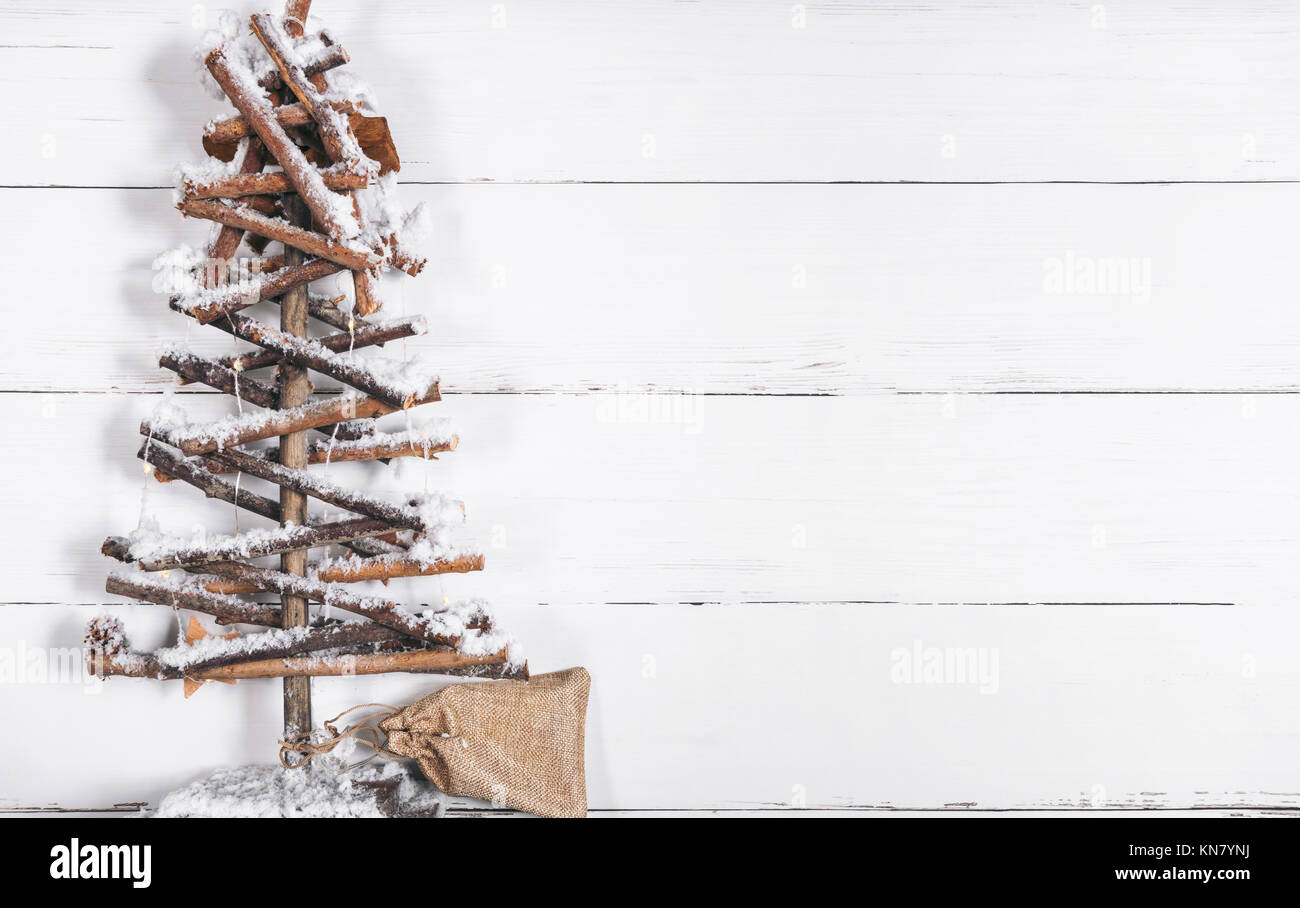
294 390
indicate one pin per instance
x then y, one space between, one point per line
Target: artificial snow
322 789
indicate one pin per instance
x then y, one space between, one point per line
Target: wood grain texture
739 448
914 499
742 289
725 91
718 708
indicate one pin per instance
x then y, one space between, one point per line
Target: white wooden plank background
751 289
650 90
731 446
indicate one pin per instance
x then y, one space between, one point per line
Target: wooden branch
365 293
386 567
308 241
193 368
228 608
259 184
270 286
382 611
403 260
340 342
295 17
188 470
308 416
191 471
305 483
293 539
232 129
327 311
257 110
344 635
316 355
227 241
440 662
330 123
319 451
263 205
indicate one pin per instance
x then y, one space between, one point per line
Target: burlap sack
516 743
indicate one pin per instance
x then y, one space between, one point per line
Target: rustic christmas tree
305 167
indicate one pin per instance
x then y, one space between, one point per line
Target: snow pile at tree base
321 789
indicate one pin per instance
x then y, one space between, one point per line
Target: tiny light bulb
148 468
166 574
237 365
446 601
352 324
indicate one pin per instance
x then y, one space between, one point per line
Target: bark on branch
308 416
379 610
310 242
364 335
292 539
227 608
258 184
437 662
253 105
386 568
190 471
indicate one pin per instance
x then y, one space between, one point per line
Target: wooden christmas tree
301 166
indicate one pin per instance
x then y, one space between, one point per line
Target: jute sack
516 743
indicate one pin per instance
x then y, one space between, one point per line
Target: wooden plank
915 499
657 90
737 289
1092 709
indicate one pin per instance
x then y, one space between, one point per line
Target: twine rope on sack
306 748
